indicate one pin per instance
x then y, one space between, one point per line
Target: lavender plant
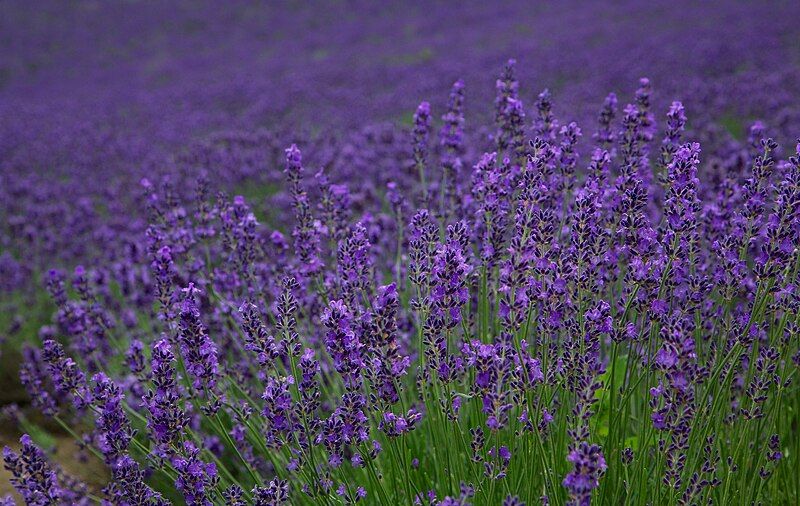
543 328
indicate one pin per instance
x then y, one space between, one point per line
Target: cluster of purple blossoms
386 361
128 485
394 425
67 377
114 428
257 338
305 233
32 476
196 479
448 294
507 96
344 345
278 410
83 320
274 494
353 261
167 418
420 134
589 466
452 143
199 352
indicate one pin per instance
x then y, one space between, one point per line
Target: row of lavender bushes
507 321
96 95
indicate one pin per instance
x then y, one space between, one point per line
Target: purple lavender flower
234 496
35 377
681 203
545 125
32 476
164 272
388 364
396 425
306 237
68 379
274 494
135 357
354 264
167 418
568 158
506 89
334 205
343 344
422 125
309 383
195 478
128 486
676 123
452 134
490 191
422 237
114 428
198 350
783 223
588 466
348 426
605 135
278 410
257 337
452 139
449 292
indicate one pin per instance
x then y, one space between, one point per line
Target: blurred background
96 95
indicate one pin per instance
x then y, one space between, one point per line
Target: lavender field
459 253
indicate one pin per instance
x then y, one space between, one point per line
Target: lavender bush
512 309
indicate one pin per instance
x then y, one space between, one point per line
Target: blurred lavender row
93 94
